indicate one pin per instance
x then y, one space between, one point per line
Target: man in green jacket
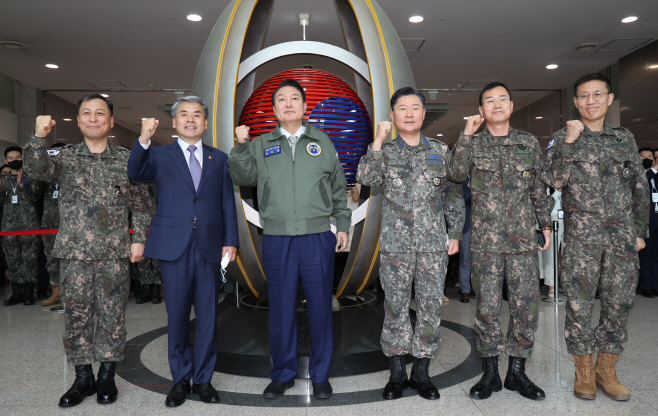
300 184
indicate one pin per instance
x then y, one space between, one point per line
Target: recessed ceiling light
104 95
465 118
67 119
111 136
551 66
143 118
194 17
539 118
416 19
629 19
654 66
173 135
52 66
440 134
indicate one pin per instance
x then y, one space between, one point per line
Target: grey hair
189 99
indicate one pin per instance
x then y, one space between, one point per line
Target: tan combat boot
584 387
54 299
606 377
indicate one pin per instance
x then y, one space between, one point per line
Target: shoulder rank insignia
272 150
313 149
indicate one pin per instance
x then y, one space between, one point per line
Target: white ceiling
149 44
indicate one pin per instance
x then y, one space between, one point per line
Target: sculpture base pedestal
243 342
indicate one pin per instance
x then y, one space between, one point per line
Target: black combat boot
490 381
16 295
144 295
398 380
516 380
106 389
420 379
82 387
28 293
155 293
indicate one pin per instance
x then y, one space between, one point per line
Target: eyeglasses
597 95
502 100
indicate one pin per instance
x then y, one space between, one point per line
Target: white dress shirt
198 153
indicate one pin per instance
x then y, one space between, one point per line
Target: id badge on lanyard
14 197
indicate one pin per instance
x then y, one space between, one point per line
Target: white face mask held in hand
224 264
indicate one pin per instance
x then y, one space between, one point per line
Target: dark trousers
649 260
191 278
285 259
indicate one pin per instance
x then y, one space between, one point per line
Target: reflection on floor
34 373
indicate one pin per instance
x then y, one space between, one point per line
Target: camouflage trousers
614 270
52 264
521 271
21 253
397 273
100 288
149 271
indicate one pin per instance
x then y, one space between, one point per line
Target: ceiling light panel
416 19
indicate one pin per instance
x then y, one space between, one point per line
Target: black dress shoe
83 386
490 381
464 298
648 293
106 388
277 389
177 395
322 390
420 379
516 380
398 381
206 392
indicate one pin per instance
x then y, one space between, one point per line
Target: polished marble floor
34 373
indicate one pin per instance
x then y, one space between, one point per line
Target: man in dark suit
194 227
648 283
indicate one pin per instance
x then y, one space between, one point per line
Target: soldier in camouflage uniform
507 199
149 269
605 196
21 193
4 170
50 221
93 244
421 211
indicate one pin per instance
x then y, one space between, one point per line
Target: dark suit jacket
213 205
653 219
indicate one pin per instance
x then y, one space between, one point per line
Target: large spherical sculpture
332 106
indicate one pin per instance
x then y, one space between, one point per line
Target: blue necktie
195 167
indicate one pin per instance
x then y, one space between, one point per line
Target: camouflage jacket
508 197
419 203
605 193
96 196
50 217
23 214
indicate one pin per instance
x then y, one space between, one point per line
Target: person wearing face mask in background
20 214
648 283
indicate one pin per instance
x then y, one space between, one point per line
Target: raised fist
574 128
148 129
242 134
383 129
43 125
473 123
